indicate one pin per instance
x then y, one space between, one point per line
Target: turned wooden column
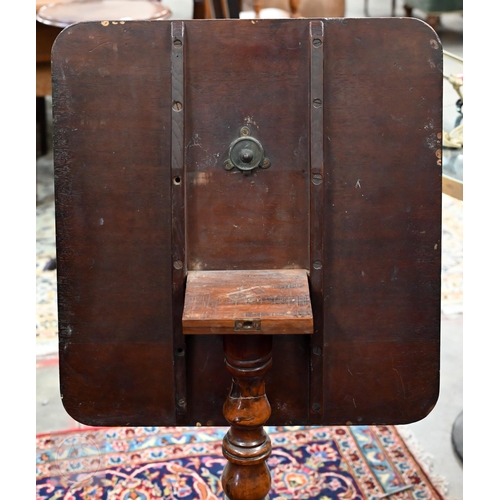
246 445
247 307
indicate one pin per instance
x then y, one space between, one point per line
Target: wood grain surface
120 210
224 302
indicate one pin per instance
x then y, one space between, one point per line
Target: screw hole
177 180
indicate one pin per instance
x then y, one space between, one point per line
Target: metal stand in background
457 436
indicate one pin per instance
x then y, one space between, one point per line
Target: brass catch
247 325
246 153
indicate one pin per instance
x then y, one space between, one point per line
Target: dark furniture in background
45 36
433 9
52 16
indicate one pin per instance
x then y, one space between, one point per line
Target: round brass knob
246 155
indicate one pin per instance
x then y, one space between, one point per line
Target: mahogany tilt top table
268 191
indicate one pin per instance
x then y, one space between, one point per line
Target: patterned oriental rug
143 463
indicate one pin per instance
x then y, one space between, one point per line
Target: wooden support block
239 302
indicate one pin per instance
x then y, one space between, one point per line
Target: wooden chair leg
294 8
199 9
433 21
225 9
257 7
209 10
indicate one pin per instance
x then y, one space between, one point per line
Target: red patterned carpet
142 463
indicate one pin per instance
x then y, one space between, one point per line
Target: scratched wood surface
220 302
353 196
